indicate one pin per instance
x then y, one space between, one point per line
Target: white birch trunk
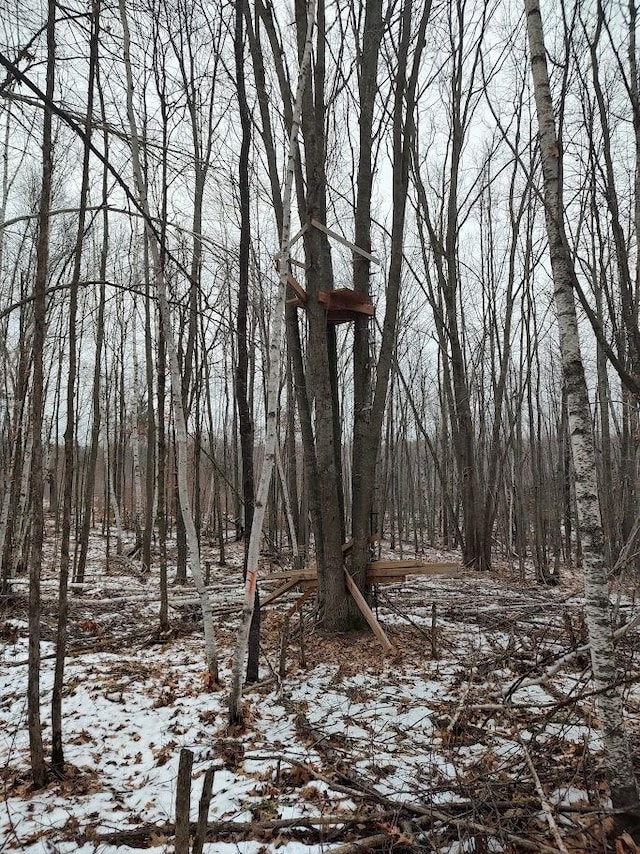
275 361
624 792
176 384
111 489
135 441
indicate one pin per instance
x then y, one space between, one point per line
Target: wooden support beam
378 572
417 564
344 299
381 571
391 568
297 288
341 239
300 601
296 237
300 574
280 591
367 613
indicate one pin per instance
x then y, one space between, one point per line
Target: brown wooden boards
390 571
367 613
378 572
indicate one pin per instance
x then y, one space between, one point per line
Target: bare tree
275 345
624 791
38 766
176 382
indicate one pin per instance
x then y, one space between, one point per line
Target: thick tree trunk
334 600
362 473
369 408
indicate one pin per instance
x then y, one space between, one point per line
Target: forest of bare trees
304 275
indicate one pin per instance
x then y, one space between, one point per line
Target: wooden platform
342 305
378 572
391 571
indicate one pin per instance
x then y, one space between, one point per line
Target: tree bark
624 791
176 384
36 752
57 754
275 359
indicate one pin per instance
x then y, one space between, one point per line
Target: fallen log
145 835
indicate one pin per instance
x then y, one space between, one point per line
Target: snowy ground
418 753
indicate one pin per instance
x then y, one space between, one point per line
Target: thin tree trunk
95 398
150 492
624 791
135 440
245 418
176 384
36 751
108 473
57 753
275 348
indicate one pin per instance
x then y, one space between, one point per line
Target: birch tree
624 791
275 361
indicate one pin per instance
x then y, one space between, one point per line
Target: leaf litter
407 752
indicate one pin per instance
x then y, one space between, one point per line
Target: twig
546 806
461 704
555 668
229 828
362 845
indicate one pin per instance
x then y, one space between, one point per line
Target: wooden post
282 666
183 801
367 613
203 812
341 239
434 639
303 661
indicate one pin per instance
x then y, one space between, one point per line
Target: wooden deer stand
377 572
342 305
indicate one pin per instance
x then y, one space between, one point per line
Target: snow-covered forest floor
481 748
